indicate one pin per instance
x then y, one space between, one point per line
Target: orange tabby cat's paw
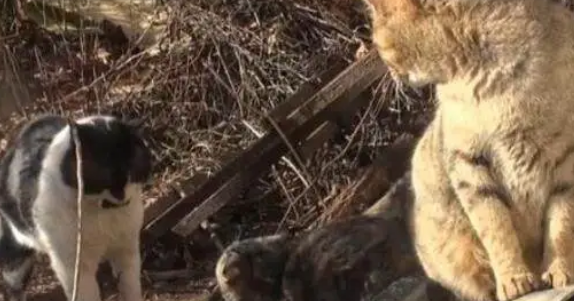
515 285
558 275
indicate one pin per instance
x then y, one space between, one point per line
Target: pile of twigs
222 66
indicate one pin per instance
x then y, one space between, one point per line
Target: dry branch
233 178
283 110
284 159
279 113
260 53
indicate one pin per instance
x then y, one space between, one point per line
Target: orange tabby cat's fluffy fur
493 175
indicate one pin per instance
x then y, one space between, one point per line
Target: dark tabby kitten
38 203
345 260
335 261
251 269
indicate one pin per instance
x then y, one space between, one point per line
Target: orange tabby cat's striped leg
558 268
487 206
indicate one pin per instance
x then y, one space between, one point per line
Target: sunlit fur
493 175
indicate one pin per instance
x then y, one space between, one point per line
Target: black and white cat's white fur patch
38 203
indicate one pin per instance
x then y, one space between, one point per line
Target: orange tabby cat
493 175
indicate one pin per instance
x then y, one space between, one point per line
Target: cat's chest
55 213
103 228
471 116
510 148
466 124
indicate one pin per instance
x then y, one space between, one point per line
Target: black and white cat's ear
141 163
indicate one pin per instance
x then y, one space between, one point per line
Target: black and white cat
38 203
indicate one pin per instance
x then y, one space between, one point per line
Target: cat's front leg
127 266
558 263
63 264
487 205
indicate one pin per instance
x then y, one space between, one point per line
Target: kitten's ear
386 8
236 267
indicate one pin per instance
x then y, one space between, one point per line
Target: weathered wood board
217 191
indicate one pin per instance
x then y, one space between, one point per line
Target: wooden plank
317 139
337 121
307 89
322 106
305 150
347 85
155 209
278 114
234 177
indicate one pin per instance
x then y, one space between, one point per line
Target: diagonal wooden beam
278 114
238 174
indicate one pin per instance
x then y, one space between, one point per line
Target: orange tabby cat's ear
386 8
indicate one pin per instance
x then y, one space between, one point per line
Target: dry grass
240 60
228 63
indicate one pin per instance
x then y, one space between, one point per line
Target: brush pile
222 65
